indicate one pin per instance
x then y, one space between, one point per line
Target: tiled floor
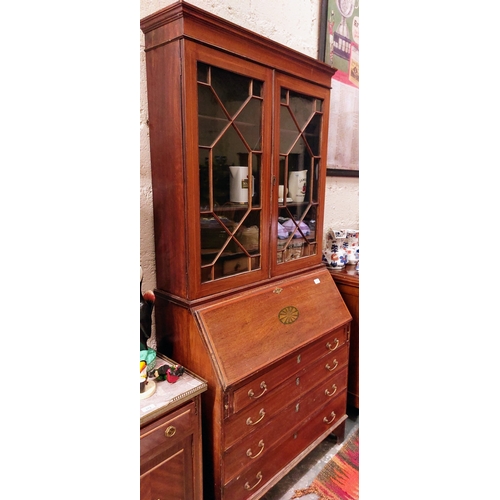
305 471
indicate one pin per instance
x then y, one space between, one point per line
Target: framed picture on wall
339 47
339 38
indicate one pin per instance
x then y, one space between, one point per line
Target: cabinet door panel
172 478
301 115
228 158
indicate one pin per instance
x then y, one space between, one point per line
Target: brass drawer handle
262 414
335 364
261 446
334 387
170 431
329 421
263 386
259 477
329 346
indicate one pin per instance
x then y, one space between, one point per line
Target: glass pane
316 168
204 164
312 133
296 233
248 236
232 89
203 70
248 124
300 134
302 108
288 130
257 88
216 234
257 181
230 158
211 117
225 154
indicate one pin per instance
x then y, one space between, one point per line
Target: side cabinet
171 446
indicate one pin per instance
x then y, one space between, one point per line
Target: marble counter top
168 396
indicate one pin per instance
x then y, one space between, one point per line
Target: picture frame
338 46
341 172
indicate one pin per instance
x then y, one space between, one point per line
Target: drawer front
292 444
257 415
257 444
259 387
167 431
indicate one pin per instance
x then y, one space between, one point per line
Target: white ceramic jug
238 187
334 253
297 184
352 245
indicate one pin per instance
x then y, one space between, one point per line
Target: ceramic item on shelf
352 245
334 253
297 184
281 194
238 184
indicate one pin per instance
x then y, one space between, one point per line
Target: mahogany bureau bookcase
238 130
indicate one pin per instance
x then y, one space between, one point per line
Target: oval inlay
288 315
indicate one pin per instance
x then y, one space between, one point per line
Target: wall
298 28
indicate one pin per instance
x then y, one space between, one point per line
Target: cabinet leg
338 433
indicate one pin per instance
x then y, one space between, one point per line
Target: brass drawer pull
334 387
261 446
259 477
335 364
263 386
170 431
262 414
329 346
329 421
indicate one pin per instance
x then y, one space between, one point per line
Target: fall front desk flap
252 329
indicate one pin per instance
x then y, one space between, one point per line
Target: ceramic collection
341 247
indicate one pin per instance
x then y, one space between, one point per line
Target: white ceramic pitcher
238 186
297 184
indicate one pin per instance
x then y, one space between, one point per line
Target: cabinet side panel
350 294
165 130
179 337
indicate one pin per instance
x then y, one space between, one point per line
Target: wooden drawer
257 443
260 412
292 443
262 385
167 432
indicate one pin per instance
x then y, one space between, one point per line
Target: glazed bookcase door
228 155
301 112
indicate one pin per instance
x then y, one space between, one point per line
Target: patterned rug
339 479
